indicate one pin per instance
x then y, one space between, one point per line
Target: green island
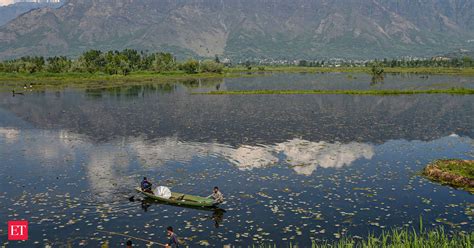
454 91
454 172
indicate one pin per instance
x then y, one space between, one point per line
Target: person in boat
217 196
172 238
146 186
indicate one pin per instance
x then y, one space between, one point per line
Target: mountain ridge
242 29
10 12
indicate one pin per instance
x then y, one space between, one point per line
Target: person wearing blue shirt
146 186
173 238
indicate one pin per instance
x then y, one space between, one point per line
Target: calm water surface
292 167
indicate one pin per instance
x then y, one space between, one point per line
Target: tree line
111 62
129 60
403 63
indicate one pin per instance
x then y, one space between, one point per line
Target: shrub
211 66
191 66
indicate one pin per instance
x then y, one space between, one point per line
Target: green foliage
92 61
396 238
377 69
191 66
248 64
58 64
463 168
164 62
211 66
118 63
467 61
455 172
24 65
129 60
133 58
303 63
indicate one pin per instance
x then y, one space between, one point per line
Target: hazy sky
5 2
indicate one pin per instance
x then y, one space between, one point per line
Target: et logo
18 230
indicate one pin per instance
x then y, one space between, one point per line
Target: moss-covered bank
454 172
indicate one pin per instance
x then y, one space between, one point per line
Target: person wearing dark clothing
217 196
129 244
173 238
146 185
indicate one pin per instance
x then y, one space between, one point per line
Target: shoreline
228 72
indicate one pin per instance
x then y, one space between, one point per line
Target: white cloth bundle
163 192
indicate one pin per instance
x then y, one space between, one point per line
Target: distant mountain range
10 12
242 29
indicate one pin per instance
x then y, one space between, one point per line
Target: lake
293 168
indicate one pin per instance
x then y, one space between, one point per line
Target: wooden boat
181 199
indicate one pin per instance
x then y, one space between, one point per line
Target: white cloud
5 2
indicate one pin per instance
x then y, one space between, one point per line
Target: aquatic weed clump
455 172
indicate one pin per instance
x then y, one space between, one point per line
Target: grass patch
460 91
398 238
453 172
57 81
72 77
228 72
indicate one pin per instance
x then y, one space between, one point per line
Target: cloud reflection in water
105 164
304 156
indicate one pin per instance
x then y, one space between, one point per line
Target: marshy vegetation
453 172
110 63
129 62
403 238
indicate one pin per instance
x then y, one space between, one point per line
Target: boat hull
181 199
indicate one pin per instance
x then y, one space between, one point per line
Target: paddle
132 198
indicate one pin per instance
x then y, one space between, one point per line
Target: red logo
18 230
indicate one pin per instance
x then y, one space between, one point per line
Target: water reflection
249 119
361 81
9 134
305 156
105 164
140 90
327 164
105 170
82 182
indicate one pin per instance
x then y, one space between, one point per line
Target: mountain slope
10 12
246 28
